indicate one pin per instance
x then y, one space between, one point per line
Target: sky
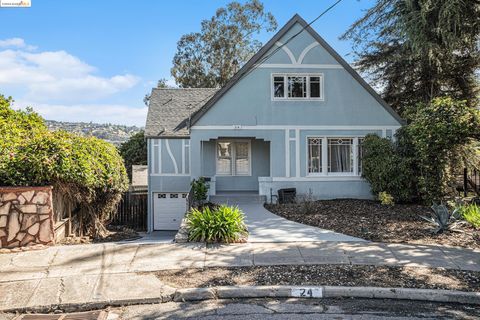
91 60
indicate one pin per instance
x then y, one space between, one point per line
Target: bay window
233 158
297 86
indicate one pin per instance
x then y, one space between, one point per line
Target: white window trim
324 172
233 157
285 93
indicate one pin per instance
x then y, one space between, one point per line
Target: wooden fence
132 211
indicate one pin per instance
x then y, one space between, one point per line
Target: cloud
99 113
15 43
56 76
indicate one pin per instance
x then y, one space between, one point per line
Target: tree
162 83
134 151
209 58
416 50
420 164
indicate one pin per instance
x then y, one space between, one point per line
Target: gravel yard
333 275
372 221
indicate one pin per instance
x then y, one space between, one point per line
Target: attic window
297 86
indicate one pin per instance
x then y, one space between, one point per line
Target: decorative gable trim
269 45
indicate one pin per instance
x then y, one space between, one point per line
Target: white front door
168 210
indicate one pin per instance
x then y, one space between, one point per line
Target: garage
168 210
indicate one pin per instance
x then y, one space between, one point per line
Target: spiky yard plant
223 224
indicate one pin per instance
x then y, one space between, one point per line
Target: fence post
465 182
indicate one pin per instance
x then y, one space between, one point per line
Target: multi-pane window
297 86
279 87
360 155
315 87
314 155
340 155
233 158
224 158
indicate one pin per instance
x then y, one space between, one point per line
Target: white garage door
168 210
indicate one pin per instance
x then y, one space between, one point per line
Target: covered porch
234 164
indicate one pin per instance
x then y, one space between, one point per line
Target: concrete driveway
265 226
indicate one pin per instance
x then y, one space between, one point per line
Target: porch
234 165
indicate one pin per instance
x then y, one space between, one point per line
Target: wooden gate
132 211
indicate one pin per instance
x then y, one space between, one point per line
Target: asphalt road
301 309
337 309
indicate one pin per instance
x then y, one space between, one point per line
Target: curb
251 292
243 292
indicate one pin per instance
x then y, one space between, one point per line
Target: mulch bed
370 220
329 275
115 233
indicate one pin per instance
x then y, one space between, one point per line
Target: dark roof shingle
170 109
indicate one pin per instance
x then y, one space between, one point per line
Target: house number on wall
307 292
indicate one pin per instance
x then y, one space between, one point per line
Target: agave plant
441 217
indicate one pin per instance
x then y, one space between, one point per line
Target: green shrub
386 199
221 224
88 173
199 189
386 170
471 214
420 164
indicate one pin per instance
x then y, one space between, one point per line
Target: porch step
237 198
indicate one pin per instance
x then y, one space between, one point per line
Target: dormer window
297 86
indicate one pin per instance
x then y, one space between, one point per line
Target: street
286 309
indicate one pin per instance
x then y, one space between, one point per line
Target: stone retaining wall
26 216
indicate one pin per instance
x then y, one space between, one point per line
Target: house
139 178
293 117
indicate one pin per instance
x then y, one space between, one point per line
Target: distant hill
113 133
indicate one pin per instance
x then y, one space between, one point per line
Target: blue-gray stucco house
293 116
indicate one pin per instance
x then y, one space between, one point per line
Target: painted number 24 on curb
307 292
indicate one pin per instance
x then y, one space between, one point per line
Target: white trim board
285 127
318 178
299 66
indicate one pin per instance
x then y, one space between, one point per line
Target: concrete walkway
264 226
101 271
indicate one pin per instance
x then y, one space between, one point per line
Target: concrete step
237 198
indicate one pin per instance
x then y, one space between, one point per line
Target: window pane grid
233 158
297 86
360 155
340 155
314 155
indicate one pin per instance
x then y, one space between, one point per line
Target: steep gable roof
169 110
252 63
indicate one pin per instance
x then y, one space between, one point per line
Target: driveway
265 226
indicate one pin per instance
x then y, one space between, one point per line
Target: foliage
420 164
387 170
417 50
306 202
441 217
438 132
221 224
471 214
134 151
162 84
209 58
87 172
199 189
386 199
